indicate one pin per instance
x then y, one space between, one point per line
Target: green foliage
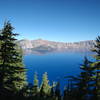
13 76
36 84
82 83
96 66
45 87
35 79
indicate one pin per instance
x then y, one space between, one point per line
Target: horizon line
54 40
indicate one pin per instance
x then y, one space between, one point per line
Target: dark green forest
13 79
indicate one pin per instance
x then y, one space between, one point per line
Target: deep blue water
57 65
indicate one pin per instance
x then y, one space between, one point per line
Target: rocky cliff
45 46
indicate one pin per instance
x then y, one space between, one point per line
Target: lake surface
57 65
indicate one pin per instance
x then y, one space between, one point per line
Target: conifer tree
96 65
12 71
45 87
35 86
86 78
82 83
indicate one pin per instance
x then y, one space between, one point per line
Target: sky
55 20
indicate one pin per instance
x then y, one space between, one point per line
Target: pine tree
87 78
45 87
35 86
96 65
12 71
82 82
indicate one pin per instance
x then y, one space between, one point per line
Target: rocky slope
45 46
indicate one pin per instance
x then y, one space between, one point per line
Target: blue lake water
57 65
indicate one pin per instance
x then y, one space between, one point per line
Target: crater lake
57 65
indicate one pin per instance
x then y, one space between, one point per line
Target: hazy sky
58 20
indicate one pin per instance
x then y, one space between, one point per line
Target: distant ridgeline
40 46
